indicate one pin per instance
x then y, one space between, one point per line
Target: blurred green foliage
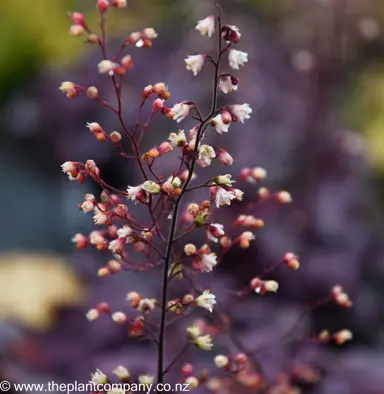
32 35
364 111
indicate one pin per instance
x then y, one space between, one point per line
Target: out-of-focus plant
150 235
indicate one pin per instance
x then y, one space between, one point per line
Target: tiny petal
237 58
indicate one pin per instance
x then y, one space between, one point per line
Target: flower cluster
121 232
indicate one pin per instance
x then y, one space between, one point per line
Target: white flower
99 377
206 26
119 317
146 379
208 261
179 112
121 372
100 218
241 112
192 382
204 342
146 305
96 238
178 139
237 58
224 180
116 246
206 154
133 192
195 63
94 127
92 314
68 166
215 230
238 194
194 331
67 87
124 232
224 197
107 67
226 84
151 187
206 300
221 361
87 206
219 125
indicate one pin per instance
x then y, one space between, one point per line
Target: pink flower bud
225 158
147 92
134 38
102 5
284 197
165 147
80 240
127 61
230 33
114 266
226 117
77 18
119 3
103 307
245 174
187 369
158 105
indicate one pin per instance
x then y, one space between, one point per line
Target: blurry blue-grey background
315 81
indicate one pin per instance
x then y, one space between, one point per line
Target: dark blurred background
315 81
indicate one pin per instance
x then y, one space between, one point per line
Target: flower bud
188 299
192 382
225 242
342 336
102 5
127 61
92 92
119 317
151 187
147 92
114 266
158 104
187 369
258 174
284 197
77 18
165 147
93 38
103 272
225 158
190 249
122 373
115 137
221 361
193 209
119 3
92 314
292 261
76 30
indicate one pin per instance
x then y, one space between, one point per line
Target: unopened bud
190 249
76 30
93 38
115 137
102 5
92 92
127 61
